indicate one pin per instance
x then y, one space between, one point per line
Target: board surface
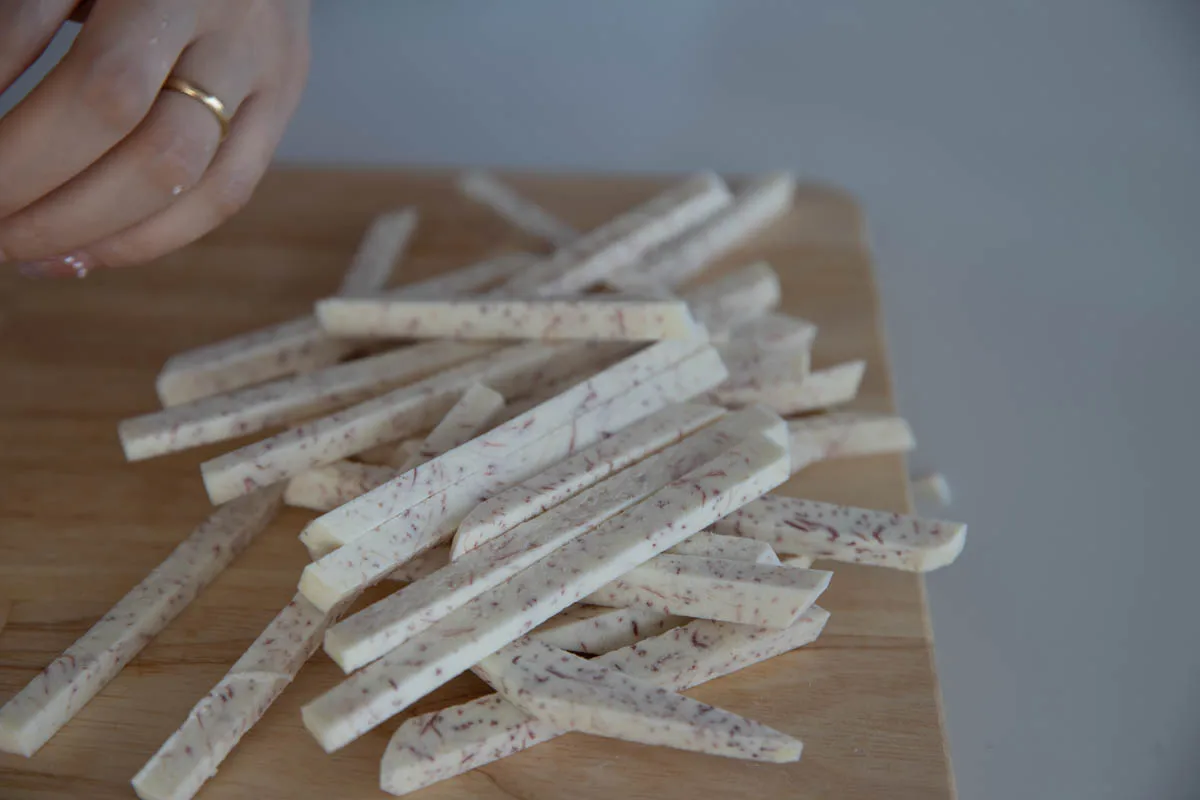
79 526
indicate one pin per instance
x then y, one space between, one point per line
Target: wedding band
211 101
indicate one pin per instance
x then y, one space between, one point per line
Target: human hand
99 167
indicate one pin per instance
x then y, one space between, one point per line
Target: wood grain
79 526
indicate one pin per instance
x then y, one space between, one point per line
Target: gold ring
211 101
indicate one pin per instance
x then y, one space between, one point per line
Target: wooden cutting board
79 526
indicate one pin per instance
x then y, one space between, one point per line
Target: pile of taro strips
624 436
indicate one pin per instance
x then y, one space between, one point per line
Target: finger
225 188
98 93
166 155
25 31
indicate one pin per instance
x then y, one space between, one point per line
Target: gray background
1030 172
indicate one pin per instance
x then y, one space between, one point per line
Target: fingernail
72 265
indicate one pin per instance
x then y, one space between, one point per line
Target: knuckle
120 253
175 156
231 193
117 89
23 238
